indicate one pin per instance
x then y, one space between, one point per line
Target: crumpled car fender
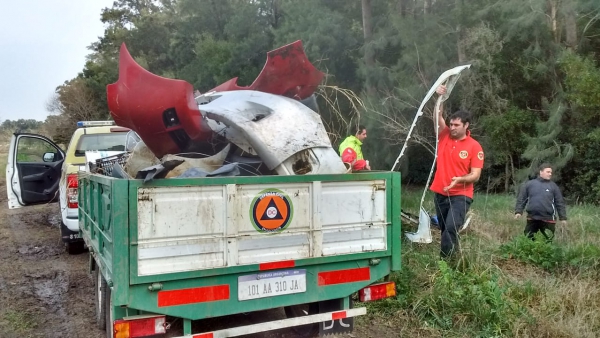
287 72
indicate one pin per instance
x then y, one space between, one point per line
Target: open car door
33 170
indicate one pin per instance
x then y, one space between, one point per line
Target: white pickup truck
34 163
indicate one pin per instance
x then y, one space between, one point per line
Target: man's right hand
517 216
441 90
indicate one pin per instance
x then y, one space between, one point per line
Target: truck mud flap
283 323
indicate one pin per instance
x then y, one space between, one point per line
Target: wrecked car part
312 161
165 114
230 169
131 140
141 157
162 111
233 135
208 164
119 172
249 165
311 102
275 128
287 72
157 171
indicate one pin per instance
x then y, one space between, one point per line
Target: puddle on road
35 216
50 289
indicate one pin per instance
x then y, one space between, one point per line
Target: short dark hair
359 129
463 115
545 166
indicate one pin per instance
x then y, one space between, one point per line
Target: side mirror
48 157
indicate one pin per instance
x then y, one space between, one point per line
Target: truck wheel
305 331
108 313
100 294
74 248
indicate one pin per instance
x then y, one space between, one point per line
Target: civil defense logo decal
271 211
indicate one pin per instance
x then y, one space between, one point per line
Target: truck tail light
72 185
140 327
377 291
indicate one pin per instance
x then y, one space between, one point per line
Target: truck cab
39 171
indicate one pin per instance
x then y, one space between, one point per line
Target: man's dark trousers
546 228
451 212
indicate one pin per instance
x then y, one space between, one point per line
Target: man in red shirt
459 164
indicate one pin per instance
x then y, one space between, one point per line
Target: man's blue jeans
451 212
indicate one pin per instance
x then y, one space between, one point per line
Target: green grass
503 285
17 322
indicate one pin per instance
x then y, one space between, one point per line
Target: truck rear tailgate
187 228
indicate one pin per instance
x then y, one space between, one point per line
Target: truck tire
108 313
75 248
100 293
304 331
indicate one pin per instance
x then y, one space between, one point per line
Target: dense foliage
534 84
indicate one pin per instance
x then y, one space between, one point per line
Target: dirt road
45 292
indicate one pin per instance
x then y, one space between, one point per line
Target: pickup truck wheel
100 294
305 331
74 248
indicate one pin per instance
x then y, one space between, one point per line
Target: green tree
582 83
21 125
505 141
545 145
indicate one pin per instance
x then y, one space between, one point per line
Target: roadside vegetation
504 285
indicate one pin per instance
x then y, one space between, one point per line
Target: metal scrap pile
271 127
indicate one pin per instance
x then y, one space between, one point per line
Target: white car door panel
33 170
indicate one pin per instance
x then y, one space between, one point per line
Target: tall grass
503 284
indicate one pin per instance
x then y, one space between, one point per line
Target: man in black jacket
544 200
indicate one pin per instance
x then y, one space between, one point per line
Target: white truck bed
203 227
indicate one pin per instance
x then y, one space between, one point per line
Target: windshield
101 142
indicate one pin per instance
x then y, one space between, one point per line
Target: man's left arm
559 202
473 176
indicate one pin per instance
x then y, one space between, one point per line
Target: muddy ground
45 292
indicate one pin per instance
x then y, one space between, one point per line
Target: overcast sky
43 43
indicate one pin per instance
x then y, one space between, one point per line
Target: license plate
270 284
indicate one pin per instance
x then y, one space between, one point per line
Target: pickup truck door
33 170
